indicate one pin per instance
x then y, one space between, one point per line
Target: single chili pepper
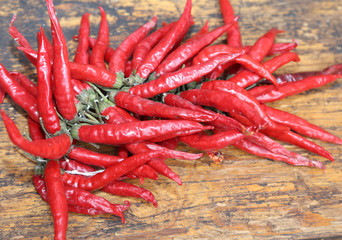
263 45
125 49
111 173
102 43
73 165
109 109
50 148
94 74
213 142
122 152
2 94
27 84
133 131
173 80
19 94
189 49
56 198
334 69
89 157
300 125
278 48
63 92
20 39
227 103
46 107
165 45
201 32
289 89
151 108
145 45
35 130
109 53
233 34
82 50
144 171
129 190
250 147
162 168
128 69
246 78
295 139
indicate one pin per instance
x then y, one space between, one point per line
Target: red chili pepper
145 46
121 55
46 106
170 143
27 84
201 32
89 157
94 74
82 50
102 43
258 150
146 107
19 94
134 131
122 152
109 53
213 142
247 78
111 173
162 168
189 49
142 172
2 94
128 69
300 125
278 48
73 165
233 34
129 190
56 198
50 148
63 92
157 54
35 130
173 80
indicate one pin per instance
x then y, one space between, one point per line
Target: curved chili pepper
247 78
82 50
129 190
189 49
133 131
56 198
89 157
145 46
94 74
144 171
162 168
19 94
121 55
50 148
171 81
292 88
102 43
278 48
27 84
164 46
63 93
111 173
258 150
46 107
233 34
36 132
213 142
300 125
146 107
109 53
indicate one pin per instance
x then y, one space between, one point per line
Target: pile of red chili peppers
147 95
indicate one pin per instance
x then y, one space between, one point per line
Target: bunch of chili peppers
144 97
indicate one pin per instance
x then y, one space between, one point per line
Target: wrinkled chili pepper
102 43
50 148
63 93
46 107
73 165
278 48
56 198
82 50
142 172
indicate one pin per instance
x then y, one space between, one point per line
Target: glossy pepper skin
63 93
133 131
56 198
82 50
46 106
25 82
146 107
50 148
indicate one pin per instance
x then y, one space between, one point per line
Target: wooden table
245 197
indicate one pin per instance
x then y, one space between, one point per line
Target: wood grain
245 197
